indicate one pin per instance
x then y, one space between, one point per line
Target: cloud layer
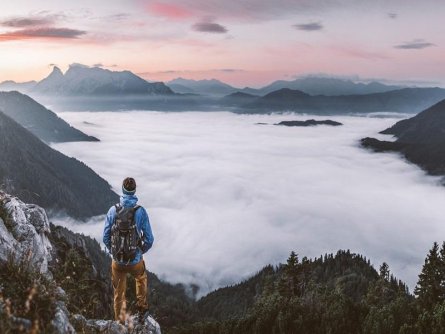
41 27
210 27
312 26
226 196
415 44
42 33
20 22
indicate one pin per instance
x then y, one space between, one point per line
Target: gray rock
26 231
132 326
105 327
7 242
147 326
61 323
61 294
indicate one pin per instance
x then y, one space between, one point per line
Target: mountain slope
40 121
403 100
81 80
38 174
421 139
237 98
310 85
22 87
426 127
205 87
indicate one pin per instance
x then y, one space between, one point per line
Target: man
128 235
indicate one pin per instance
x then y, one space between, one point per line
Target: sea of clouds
227 196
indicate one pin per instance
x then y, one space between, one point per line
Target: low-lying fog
227 196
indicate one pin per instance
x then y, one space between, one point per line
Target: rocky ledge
25 237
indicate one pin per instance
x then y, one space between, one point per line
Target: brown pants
119 280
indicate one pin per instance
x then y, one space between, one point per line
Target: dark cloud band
312 26
416 44
210 27
21 22
64 33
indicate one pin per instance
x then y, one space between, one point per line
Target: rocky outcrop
24 232
25 235
133 325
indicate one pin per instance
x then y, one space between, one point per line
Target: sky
242 42
227 196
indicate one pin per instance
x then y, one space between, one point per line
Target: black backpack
125 238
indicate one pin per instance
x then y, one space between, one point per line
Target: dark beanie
129 186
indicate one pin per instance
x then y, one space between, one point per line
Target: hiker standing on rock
127 235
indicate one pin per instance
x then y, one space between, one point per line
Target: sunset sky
242 42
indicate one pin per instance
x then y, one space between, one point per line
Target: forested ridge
339 293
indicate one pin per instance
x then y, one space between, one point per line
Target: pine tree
384 271
287 285
442 271
428 288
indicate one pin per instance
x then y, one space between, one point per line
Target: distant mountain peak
241 95
286 92
83 80
325 85
56 72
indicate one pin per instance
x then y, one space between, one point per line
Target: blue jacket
142 224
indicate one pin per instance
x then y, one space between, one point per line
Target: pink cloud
171 11
42 33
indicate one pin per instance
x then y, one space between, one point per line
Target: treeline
339 293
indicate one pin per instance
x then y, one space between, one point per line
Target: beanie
129 186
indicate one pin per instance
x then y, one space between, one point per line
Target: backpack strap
118 207
133 213
135 208
138 233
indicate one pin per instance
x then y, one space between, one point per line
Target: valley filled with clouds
227 196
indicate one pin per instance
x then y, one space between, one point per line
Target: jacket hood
128 200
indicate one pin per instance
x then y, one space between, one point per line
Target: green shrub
25 294
87 294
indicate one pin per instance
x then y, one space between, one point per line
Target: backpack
125 238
